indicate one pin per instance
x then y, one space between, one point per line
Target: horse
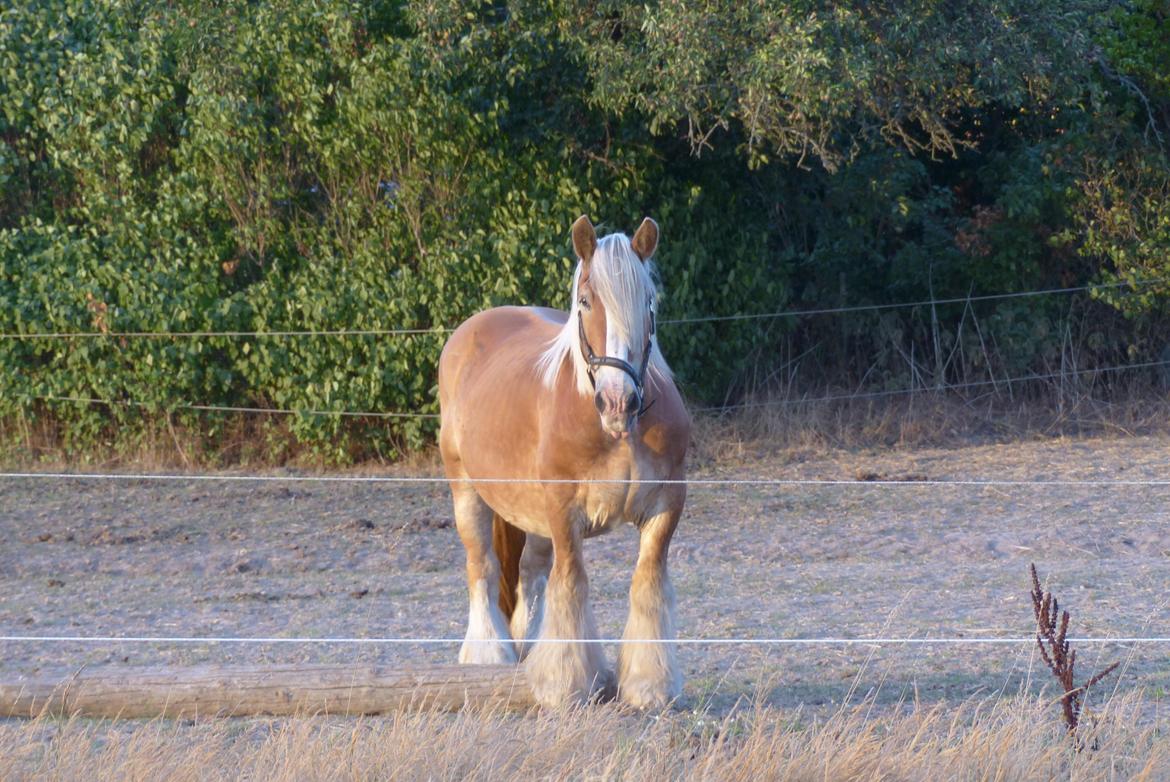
556 427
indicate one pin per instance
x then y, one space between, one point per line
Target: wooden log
237 691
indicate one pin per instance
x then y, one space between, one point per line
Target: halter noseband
637 375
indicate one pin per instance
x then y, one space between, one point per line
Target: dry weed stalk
1061 660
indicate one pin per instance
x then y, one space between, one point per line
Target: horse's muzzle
619 412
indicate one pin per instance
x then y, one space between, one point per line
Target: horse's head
613 306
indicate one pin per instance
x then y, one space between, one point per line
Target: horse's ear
645 240
584 239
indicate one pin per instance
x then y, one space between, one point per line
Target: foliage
306 165
1124 185
823 79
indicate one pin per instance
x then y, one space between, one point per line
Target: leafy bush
307 165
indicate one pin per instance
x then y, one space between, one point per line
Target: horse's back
488 369
500 334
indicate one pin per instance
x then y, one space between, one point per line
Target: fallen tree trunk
237 691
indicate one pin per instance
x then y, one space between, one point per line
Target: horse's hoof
646 696
488 653
556 692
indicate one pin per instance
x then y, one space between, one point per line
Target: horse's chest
607 506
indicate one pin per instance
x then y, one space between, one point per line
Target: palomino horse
555 428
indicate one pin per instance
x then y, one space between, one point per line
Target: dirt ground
182 558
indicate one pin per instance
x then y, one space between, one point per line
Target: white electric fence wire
233 409
440 330
980 641
1007 381
913 304
724 408
435 479
974 641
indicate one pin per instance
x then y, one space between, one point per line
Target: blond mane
626 287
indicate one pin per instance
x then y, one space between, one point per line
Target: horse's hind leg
648 673
488 639
529 611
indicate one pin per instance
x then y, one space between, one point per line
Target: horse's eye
584 304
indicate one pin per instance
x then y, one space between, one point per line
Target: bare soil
185 558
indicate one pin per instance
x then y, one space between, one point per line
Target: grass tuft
976 739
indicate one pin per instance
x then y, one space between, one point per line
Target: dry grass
259 442
924 421
999 739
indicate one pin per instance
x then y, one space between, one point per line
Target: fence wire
889 641
1103 483
942 388
441 330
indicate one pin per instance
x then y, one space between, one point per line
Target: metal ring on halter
638 376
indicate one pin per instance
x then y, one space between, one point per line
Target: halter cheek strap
637 375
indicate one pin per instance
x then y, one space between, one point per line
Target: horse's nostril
599 402
630 402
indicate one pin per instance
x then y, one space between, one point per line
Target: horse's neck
570 410
572 427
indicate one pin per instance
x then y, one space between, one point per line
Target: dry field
855 560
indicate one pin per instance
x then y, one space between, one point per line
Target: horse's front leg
488 639
648 672
566 665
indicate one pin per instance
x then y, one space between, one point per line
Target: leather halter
637 375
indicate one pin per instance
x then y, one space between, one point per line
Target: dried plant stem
1052 640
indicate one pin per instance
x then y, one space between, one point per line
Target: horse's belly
531 524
